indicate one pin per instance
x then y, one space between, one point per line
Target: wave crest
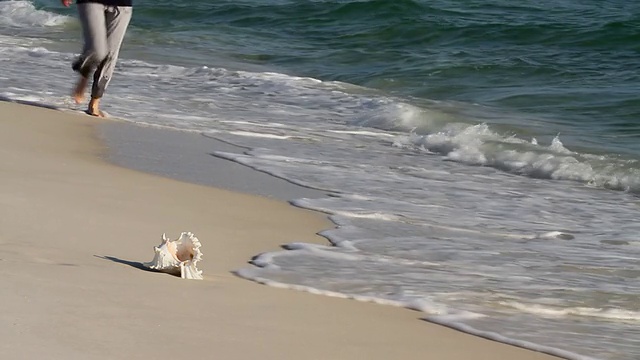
24 14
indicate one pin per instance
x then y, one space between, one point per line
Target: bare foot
98 113
78 91
94 108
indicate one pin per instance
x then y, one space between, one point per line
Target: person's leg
117 21
96 48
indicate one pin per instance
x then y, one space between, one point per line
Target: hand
66 3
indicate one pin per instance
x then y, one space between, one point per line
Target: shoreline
189 156
67 209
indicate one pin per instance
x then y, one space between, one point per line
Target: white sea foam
419 305
257 134
475 145
368 215
610 314
555 235
19 13
363 132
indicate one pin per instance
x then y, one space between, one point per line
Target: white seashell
178 256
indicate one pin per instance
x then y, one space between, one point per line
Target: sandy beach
74 229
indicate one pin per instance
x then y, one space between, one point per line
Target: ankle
94 103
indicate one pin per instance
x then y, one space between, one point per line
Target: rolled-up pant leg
117 20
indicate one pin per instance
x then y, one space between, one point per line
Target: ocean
481 156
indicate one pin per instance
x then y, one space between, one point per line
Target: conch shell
178 256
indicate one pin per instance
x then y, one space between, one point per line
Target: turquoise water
482 157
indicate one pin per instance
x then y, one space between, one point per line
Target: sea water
481 156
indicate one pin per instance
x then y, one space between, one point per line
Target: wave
23 14
608 314
478 145
431 131
436 313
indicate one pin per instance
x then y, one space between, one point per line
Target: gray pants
103 28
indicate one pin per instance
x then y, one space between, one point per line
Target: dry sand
74 228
